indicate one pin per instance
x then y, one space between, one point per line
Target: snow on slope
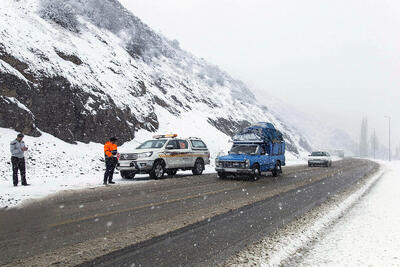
110 75
77 84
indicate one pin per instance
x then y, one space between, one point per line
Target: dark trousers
110 166
18 164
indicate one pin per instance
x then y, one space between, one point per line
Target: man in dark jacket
17 148
110 155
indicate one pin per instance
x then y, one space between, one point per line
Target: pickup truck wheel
127 174
221 175
158 170
256 173
172 172
198 167
277 169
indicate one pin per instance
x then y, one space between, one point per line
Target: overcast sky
338 60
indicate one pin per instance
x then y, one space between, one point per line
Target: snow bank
288 246
52 165
369 234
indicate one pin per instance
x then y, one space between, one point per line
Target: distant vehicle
319 158
165 154
258 148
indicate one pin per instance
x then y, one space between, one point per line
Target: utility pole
389 118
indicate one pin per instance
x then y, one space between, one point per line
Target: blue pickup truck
256 149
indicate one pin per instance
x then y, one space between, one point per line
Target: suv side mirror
170 147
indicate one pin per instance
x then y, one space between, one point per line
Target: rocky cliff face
87 70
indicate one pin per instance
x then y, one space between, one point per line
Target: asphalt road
194 220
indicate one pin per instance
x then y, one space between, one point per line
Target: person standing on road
110 154
17 148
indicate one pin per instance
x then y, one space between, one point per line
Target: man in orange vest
110 154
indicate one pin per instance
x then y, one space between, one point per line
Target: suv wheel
127 174
198 167
158 170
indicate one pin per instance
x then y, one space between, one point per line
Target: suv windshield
243 149
318 154
153 144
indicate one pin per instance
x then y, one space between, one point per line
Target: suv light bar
165 136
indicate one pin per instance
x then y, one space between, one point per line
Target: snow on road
369 234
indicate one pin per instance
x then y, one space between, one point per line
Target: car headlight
144 155
247 163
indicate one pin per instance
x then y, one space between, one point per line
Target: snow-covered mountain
86 70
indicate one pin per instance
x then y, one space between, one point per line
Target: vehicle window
183 144
318 154
198 144
238 149
174 143
262 150
152 144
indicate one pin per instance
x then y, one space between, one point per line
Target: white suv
165 154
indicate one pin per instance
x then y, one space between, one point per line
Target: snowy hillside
73 73
83 71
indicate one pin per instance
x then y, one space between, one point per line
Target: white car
165 154
319 158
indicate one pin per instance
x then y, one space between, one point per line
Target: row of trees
370 145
